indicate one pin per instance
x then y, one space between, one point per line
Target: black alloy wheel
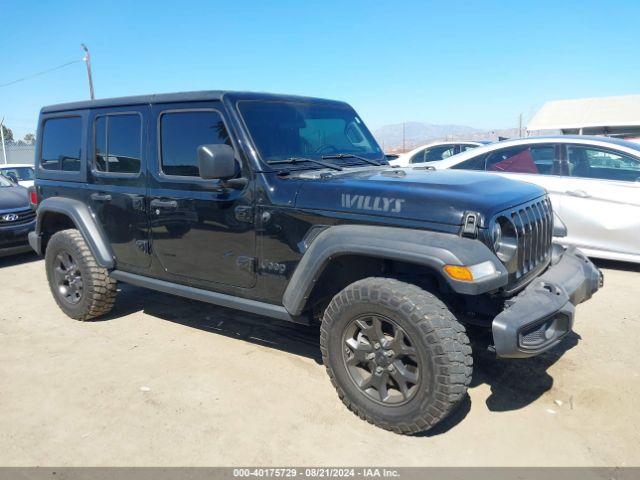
68 277
381 359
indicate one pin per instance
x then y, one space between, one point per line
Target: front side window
417 157
118 143
181 133
282 130
61 139
590 162
474 163
535 159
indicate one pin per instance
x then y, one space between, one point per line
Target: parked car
593 183
286 207
434 152
22 174
17 218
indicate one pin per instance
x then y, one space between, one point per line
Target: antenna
87 60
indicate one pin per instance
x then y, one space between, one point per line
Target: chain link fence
18 153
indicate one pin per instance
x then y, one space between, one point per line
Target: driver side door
201 232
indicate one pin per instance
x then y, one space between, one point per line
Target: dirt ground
170 382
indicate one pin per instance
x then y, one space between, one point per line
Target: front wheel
396 355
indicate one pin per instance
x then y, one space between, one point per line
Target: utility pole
520 126
4 153
403 142
87 61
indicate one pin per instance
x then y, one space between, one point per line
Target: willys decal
375 204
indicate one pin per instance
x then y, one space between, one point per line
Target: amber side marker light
464 273
459 273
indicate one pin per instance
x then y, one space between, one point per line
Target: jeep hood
439 196
13 197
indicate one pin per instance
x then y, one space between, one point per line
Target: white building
612 116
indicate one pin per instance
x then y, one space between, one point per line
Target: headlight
496 236
505 239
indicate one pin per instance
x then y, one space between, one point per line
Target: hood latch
470 227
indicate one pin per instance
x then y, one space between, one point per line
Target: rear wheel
396 355
81 288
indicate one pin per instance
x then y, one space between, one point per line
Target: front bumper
13 238
539 317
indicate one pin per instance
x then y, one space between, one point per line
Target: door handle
577 193
164 203
101 197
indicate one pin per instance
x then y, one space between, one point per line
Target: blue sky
472 63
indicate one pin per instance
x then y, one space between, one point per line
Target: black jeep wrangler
286 207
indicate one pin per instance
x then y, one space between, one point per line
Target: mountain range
390 137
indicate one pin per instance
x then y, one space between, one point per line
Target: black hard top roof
206 95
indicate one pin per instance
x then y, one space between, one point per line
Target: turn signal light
457 272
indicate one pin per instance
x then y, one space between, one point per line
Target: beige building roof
588 112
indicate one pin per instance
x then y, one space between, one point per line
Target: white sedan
593 182
434 152
22 174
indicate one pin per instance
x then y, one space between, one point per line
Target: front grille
24 216
534 229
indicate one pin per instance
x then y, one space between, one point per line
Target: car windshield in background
4 182
291 130
21 173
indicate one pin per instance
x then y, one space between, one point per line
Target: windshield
20 173
285 130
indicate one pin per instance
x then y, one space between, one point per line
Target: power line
40 73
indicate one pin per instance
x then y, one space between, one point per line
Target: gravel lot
171 382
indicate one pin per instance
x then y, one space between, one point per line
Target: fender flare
430 249
84 221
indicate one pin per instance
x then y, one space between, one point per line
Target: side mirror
559 228
217 162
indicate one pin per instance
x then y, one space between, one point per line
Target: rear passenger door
117 182
601 199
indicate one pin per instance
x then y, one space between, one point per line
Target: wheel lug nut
391 368
379 370
371 356
376 345
389 353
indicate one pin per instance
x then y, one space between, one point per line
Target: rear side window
118 143
181 133
440 152
61 139
593 162
464 148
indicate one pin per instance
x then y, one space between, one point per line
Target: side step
222 299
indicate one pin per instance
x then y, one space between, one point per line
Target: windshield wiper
350 155
294 160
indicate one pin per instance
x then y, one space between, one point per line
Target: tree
8 134
30 138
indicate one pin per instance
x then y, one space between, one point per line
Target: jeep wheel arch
57 213
428 249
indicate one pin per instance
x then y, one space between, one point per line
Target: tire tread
439 328
100 288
